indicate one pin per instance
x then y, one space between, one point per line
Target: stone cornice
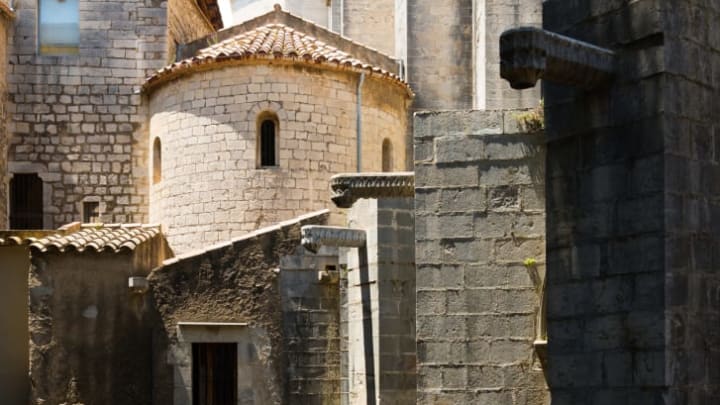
349 187
528 54
316 236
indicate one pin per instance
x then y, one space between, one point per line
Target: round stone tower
248 132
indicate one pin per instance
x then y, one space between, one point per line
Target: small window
91 212
157 161
214 373
267 140
26 201
387 156
58 27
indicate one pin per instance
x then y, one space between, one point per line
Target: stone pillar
492 17
310 292
633 216
440 53
387 277
380 287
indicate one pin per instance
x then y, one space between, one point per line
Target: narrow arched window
387 156
157 161
267 140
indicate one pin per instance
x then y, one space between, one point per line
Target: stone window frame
259 111
47 178
102 206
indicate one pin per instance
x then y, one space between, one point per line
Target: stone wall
371 23
316 11
309 285
236 282
212 189
78 117
5 23
632 208
480 213
440 53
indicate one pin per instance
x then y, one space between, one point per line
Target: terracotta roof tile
271 42
87 237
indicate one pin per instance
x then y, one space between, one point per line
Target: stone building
224 130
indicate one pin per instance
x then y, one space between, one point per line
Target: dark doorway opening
214 373
26 201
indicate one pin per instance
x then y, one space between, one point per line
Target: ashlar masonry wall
492 18
479 214
371 23
633 212
212 187
77 119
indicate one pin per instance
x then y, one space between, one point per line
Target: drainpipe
358 120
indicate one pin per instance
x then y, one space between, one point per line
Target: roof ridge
273 41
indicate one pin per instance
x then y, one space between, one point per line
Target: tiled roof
113 238
271 42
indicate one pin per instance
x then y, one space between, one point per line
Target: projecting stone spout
316 236
528 54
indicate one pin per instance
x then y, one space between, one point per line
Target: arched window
267 140
387 156
157 161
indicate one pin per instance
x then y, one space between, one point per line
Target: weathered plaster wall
440 53
211 188
5 24
381 303
632 208
371 23
311 326
14 324
78 117
479 213
233 282
85 325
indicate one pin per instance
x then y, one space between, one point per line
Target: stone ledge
349 187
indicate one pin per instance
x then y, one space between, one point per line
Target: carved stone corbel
349 187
